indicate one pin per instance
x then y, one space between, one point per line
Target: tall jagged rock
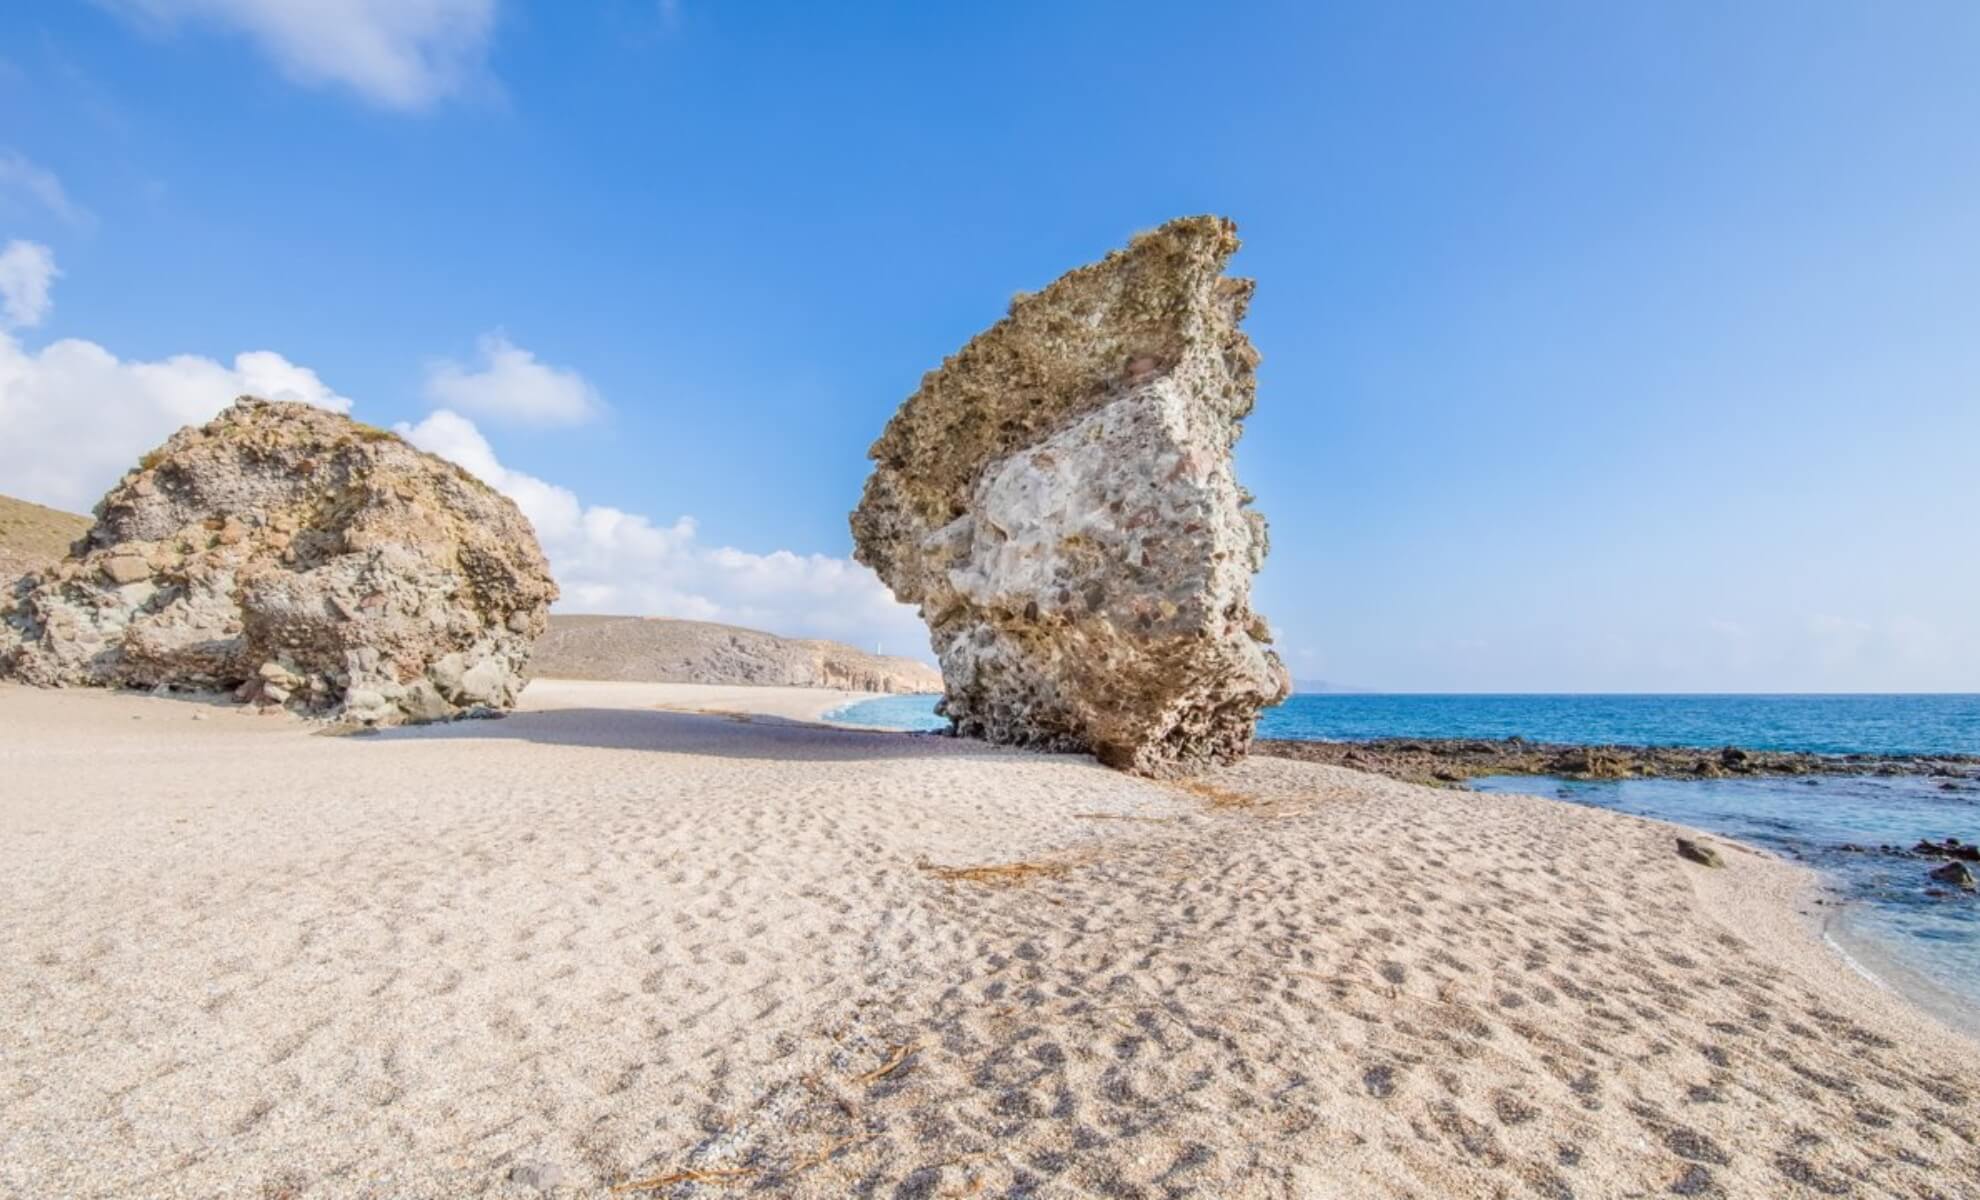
1059 500
299 558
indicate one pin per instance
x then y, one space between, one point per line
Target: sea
1880 909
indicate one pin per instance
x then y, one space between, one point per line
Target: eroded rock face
301 559
1059 500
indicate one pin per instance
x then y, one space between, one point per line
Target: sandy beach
685 942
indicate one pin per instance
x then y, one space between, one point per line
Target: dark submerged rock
1957 874
1699 853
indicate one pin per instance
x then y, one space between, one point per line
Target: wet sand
609 942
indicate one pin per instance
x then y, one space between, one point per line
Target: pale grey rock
482 684
1060 502
126 568
541 1176
446 673
365 704
299 559
275 672
421 701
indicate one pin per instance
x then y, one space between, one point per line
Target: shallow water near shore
1927 928
1889 899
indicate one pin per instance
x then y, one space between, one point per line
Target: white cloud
608 560
73 417
17 174
397 53
27 269
511 386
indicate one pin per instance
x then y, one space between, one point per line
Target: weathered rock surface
1059 500
301 559
662 650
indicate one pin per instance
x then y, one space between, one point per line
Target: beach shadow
717 735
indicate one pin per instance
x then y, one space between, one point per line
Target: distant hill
662 650
32 537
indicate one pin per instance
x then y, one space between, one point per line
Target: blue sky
1606 347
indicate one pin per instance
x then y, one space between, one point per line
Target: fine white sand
605 941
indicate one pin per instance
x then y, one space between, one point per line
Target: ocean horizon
1884 723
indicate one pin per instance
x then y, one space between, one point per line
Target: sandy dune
598 943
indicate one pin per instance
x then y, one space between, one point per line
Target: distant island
1325 687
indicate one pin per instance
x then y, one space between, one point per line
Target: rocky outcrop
1453 760
301 559
1059 500
662 650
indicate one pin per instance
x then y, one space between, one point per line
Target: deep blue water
1808 819
1948 724
1820 724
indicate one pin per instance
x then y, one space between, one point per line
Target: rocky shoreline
1449 761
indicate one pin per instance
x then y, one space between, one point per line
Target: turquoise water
1819 724
1948 724
1807 819
916 712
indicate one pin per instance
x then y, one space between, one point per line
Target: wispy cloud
401 54
22 178
27 272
